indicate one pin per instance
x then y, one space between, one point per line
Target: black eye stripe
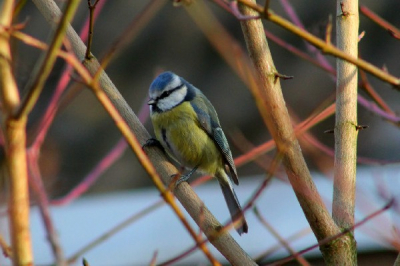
169 92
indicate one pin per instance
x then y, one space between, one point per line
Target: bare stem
46 64
269 98
343 204
15 141
90 28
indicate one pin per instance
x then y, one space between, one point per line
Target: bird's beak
151 102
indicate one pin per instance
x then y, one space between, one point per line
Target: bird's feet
152 142
178 179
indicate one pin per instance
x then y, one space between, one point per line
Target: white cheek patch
173 99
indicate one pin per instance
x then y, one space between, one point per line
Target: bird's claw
152 142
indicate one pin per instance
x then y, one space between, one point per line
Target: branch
346 116
300 259
395 32
269 98
36 85
120 226
15 142
37 186
369 217
343 205
325 47
193 205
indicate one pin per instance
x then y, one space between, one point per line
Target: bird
187 127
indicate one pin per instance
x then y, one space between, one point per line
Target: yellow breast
180 133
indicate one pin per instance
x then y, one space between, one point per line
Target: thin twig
299 53
394 31
7 250
297 235
15 143
54 105
109 233
386 113
130 32
291 12
332 238
323 46
373 94
41 196
154 259
35 86
90 28
281 240
112 156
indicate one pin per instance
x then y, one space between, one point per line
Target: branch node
362 34
344 12
282 76
393 34
361 127
266 7
85 262
385 69
88 54
15 27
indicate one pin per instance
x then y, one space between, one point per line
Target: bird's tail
234 206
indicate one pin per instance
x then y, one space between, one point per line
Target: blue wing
210 124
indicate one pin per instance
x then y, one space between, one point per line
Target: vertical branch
346 121
15 140
346 116
269 98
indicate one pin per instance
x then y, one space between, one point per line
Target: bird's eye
165 94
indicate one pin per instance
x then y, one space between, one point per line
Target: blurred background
83 133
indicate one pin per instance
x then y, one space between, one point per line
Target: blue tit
187 126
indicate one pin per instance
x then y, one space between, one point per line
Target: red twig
321 62
301 260
51 110
114 154
290 11
38 188
344 232
327 67
373 94
393 31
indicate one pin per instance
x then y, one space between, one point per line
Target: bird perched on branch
187 127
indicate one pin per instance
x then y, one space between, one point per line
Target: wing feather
209 122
